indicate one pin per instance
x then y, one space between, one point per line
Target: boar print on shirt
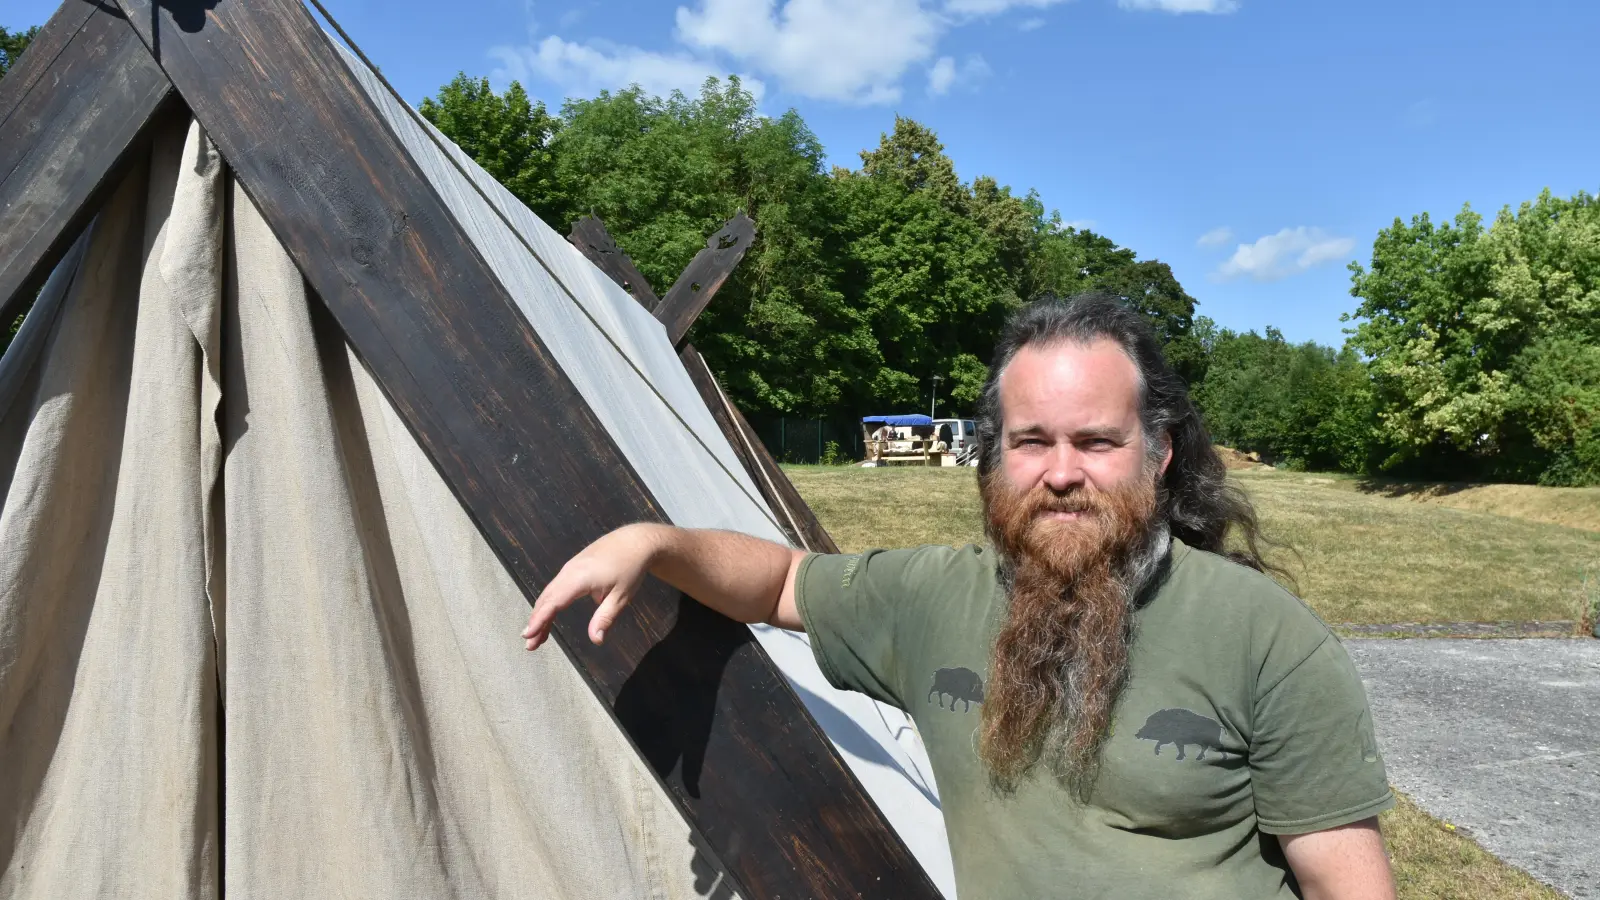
1179 727
957 684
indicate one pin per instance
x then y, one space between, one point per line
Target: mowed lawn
1359 556
1366 557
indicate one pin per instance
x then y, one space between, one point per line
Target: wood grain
594 241
74 109
704 276
520 449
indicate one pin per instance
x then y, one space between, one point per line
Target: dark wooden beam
704 276
715 720
591 238
794 514
74 109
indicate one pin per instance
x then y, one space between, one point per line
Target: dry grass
1369 558
1573 507
1433 861
1509 567
1363 558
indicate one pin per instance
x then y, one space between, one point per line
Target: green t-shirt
1242 718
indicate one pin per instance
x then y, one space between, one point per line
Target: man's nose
1065 471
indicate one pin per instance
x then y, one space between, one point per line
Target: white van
961 436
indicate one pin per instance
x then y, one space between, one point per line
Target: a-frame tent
538 400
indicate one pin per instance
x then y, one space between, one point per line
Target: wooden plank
76 107
794 514
704 275
26 71
515 442
592 239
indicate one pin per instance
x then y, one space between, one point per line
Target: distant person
1115 704
880 441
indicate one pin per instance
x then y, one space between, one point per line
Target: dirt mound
1233 459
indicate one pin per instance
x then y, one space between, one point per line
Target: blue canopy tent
896 421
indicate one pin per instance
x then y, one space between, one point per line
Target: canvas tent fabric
897 421
250 637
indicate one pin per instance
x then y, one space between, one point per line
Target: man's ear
1166 452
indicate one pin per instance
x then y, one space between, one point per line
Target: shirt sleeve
856 609
1314 761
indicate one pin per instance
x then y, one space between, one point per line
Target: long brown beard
1061 660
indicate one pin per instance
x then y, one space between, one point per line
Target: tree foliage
1475 351
863 283
1483 341
12 43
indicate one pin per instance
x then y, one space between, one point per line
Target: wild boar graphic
1179 727
957 684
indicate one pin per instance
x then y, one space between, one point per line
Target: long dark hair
1199 504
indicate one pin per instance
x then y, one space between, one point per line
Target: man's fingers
562 591
610 608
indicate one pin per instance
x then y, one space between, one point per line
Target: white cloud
1217 7
586 69
994 7
1076 224
1216 237
1033 24
849 50
1289 252
944 74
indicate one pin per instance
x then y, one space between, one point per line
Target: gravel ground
1500 738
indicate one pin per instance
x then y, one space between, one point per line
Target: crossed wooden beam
684 302
439 331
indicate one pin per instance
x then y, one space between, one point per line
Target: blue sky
1255 145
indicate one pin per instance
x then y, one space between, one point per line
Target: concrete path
1500 738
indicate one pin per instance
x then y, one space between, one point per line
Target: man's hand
1345 863
744 578
609 571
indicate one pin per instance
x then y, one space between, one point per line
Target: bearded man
1116 700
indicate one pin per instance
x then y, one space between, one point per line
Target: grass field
1364 556
1432 861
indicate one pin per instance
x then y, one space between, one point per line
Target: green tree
665 173
926 274
509 135
12 43
1448 313
1070 260
1304 405
862 284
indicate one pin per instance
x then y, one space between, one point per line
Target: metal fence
794 440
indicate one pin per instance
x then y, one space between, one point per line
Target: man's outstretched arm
1345 863
744 578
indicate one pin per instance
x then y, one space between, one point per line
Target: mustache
1042 501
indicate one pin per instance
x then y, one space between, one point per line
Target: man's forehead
1096 379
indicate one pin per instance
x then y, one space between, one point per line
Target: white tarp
213 516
